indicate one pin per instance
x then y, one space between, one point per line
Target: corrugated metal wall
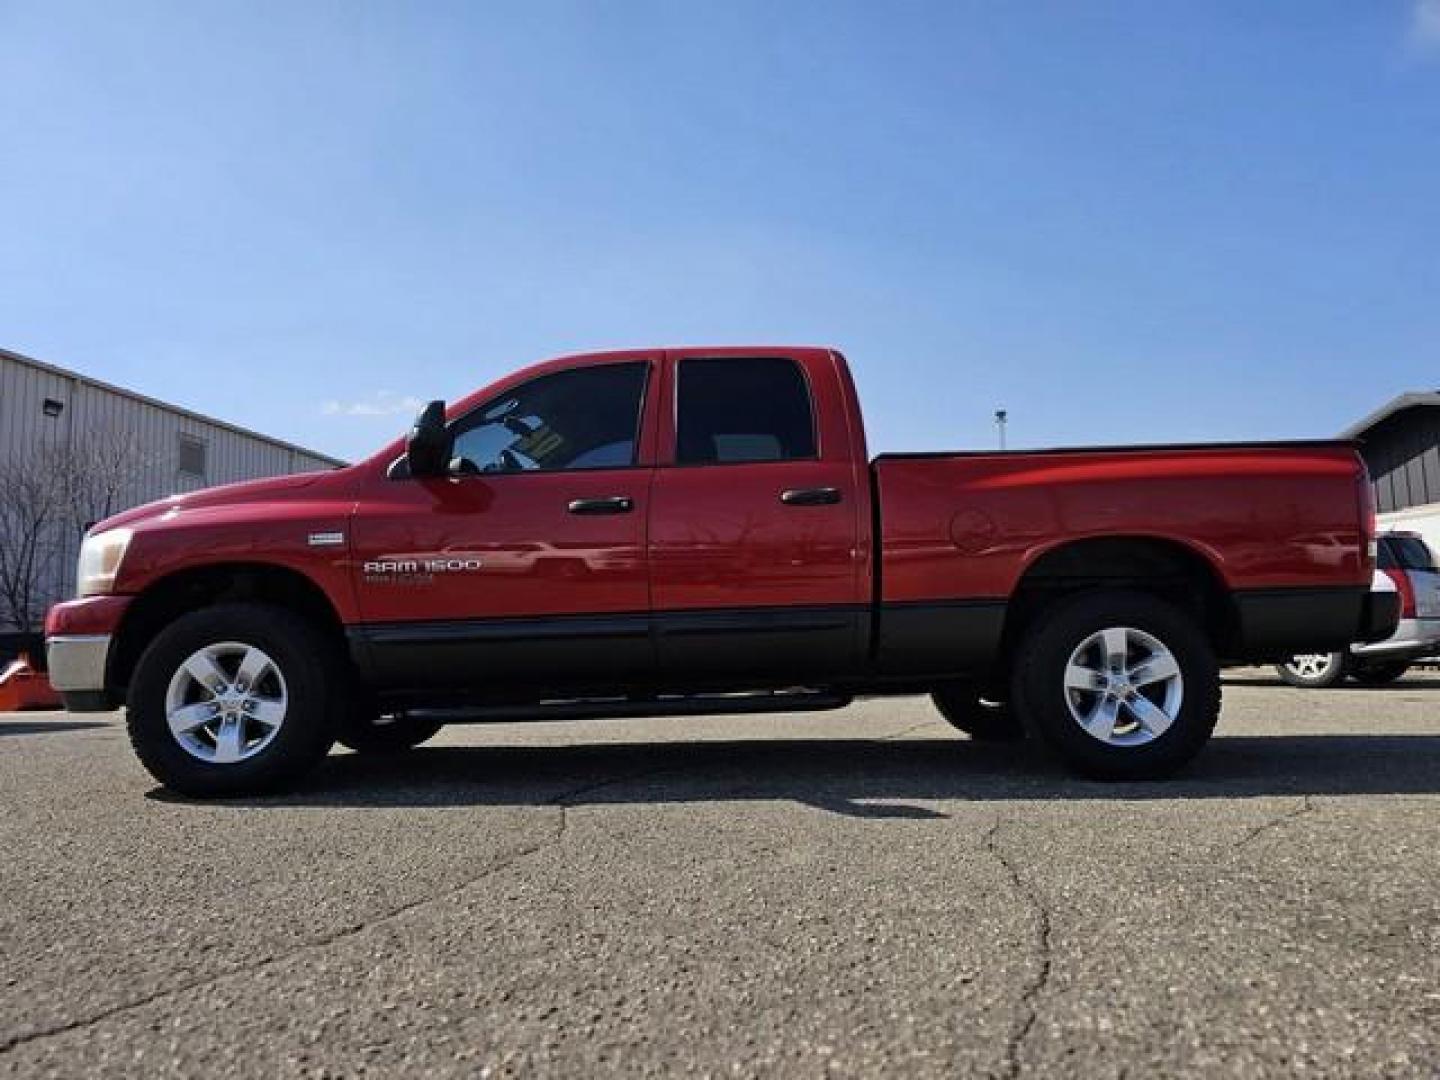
1403 454
99 415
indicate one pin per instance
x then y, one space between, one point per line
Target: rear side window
737 410
1405 553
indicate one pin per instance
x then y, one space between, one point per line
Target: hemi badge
329 539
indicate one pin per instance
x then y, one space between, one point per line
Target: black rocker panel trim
761 645
941 638
739 646
560 650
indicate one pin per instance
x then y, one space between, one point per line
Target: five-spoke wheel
226 702
235 699
1123 686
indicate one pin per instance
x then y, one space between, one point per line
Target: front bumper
77 667
78 637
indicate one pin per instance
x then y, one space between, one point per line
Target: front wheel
235 699
1120 685
1313 671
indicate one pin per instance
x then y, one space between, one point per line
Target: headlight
100 557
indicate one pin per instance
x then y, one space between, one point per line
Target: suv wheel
1313 671
1121 685
235 699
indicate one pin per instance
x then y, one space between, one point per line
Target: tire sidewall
305 735
1038 685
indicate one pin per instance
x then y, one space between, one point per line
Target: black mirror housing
428 447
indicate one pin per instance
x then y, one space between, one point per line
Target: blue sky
1121 221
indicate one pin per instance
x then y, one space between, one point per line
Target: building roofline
1411 400
111 388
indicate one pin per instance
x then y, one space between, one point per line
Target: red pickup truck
701 530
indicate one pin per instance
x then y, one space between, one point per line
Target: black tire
983 720
313 676
1042 700
1380 674
368 731
1309 676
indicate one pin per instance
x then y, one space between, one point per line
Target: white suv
1408 563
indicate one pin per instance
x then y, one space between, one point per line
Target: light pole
1000 418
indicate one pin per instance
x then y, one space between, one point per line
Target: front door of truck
527 565
757 570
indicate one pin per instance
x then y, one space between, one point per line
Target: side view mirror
429 444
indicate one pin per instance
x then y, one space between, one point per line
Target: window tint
586 418
1405 553
743 410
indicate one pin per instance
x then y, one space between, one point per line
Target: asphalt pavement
853 893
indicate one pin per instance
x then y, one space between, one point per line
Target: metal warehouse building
1401 446
48 410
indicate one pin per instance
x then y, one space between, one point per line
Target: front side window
737 410
585 418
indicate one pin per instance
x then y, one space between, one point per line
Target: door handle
821 496
615 504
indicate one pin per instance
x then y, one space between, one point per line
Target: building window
192 456
51 407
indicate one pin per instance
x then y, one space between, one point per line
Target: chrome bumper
1412 638
77 663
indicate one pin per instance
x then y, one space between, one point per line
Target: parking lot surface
848 893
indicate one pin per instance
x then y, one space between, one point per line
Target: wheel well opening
1163 568
190 590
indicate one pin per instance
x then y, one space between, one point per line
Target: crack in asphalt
561 803
1306 806
1027 1002
906 731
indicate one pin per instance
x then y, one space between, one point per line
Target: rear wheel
1380 674
983 720
1313 671
1120 685
369 731
235 699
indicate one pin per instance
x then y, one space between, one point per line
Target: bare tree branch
50 496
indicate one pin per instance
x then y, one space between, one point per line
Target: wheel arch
200 586
1163 566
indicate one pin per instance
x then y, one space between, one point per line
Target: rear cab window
738 410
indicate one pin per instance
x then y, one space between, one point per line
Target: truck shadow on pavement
865 778
45 727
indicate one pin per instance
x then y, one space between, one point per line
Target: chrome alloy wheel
1310 665
1123 686
226 703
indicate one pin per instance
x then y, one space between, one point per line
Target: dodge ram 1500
701 530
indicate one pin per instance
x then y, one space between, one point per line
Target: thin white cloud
1425 25
381 403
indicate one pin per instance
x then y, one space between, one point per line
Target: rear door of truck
756 554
